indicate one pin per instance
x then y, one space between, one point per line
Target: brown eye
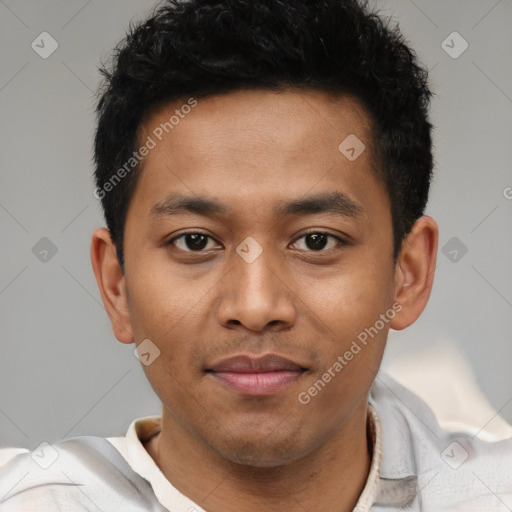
191 242
317 241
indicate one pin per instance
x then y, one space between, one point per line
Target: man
264 167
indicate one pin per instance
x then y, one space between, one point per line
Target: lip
256 376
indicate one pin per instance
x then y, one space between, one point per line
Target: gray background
62 372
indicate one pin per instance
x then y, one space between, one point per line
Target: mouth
256 376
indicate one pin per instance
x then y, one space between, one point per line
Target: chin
258 457
262 449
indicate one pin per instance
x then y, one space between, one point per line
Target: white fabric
141 462
454 394
422 467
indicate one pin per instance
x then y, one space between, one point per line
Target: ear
111 284
414 271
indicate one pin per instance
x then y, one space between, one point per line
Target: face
254 291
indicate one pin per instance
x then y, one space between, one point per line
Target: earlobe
111 284
414 271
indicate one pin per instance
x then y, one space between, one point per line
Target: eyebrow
327 202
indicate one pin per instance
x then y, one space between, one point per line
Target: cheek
353 335
350 300
352 345
163 300
171 310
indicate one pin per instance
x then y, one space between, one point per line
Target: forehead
258 143
278 117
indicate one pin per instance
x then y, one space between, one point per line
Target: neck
330 478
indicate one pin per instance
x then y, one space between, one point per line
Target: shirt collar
140 431
391 481
371 488
398 481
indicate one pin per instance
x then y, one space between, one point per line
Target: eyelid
320 231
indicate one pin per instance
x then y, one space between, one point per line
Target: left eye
317 241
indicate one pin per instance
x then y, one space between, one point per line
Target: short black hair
201 48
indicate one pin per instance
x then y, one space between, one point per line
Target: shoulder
6 454
455 470
82 473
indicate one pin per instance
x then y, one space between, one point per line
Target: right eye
191 241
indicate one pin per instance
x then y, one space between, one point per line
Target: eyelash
312 232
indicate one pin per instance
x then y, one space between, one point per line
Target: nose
254 295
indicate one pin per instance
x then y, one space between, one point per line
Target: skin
247 150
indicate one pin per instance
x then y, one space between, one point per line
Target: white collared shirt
416 466
142 429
